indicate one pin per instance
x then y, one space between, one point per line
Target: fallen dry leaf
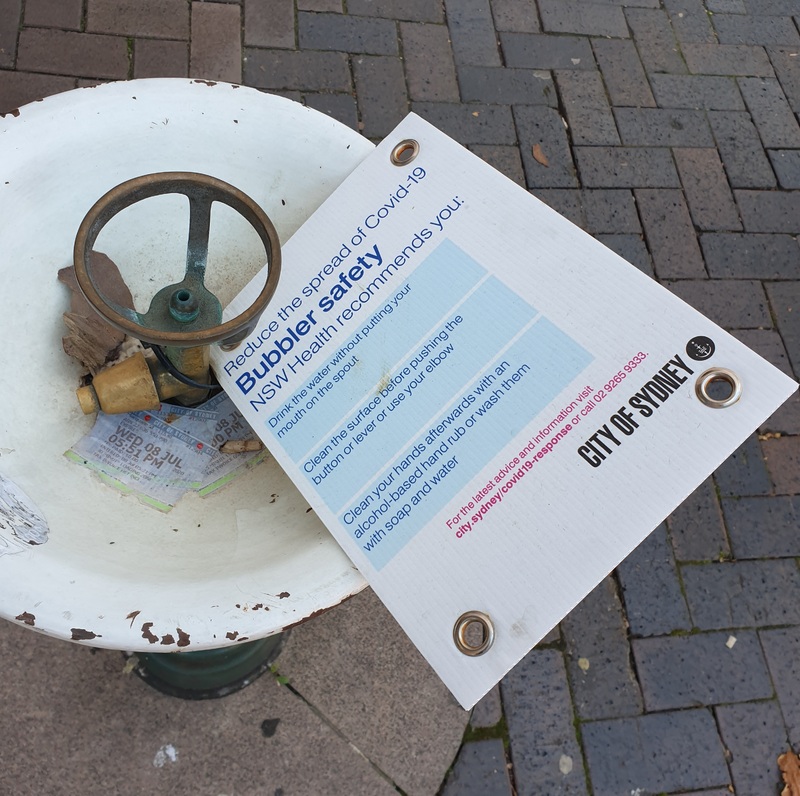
539 155
130 664
789 764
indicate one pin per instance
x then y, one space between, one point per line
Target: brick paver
623 73
751 733
505 159
520 16
598 657
546 52
652 590
159 58
470 124
782 649
750 593
610 211
659 127
488 712
786 163
769 344
669 131
783 462
655 40
631 248
575 16
480 770
727 59
588 112
269 23
430 71
216 49
746 163
784 298
696 527
749 256
707 191
544 748
626 167
689 20
472 33
744 473
66 14
163 19
10 16
657 753
771 112
545 128
703 669
373 36
733 305
751 29
68 53
670 234
776 517
381 92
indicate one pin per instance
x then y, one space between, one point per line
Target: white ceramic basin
114 572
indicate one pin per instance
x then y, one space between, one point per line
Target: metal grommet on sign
728 388
473 621
405 152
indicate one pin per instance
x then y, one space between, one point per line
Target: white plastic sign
487 408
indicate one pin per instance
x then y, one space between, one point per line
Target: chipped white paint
21 523
149 574
166 753
565 764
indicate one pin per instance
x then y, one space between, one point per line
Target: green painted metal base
208 674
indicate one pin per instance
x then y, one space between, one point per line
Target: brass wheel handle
186 313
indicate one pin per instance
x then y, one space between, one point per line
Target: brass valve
137 383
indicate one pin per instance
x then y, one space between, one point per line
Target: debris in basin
92 341
241 446
21 524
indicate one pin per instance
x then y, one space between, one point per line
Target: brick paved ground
670 130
